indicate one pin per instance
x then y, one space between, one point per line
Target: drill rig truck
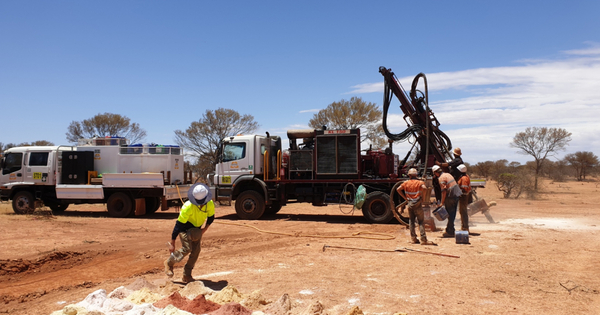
328 165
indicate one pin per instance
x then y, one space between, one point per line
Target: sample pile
144 298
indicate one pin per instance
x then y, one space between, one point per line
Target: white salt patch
306 292
553 223
61 302
217 274
353 301
493 246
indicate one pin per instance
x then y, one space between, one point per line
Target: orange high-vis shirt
465 184
412 188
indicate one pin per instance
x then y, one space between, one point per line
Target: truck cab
28 166
242 158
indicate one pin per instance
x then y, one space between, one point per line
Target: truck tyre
23 202
58 207
273 208
250 205
378 207
119 205
152 204
397 200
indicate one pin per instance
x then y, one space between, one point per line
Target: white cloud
497 103
309 111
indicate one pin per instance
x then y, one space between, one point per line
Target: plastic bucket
440 213
462 237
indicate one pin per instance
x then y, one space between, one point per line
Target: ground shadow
327 218
216 286
104 214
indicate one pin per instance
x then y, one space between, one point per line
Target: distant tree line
515 179
202 139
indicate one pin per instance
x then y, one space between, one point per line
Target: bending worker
450 194
198 209
412 191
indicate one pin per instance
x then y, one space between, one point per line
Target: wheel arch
249 182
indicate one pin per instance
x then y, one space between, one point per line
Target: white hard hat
462 168
199 194
436 168
412 171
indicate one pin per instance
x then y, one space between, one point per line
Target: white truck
130 179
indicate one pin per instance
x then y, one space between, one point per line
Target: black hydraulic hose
443 139
387 98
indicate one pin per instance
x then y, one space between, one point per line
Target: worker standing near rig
452 166
194 213
464 182
412 191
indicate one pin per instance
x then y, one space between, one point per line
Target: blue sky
494 68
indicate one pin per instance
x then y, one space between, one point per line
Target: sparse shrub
514 185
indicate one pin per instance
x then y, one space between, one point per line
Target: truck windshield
234 151
12 163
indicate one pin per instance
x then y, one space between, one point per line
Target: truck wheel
23 202
119 205
250 205
58 207
273 208
152 204
378 207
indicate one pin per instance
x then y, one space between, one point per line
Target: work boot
168 268
187 279
424 241
447 235
414 240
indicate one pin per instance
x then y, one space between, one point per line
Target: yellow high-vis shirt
194 214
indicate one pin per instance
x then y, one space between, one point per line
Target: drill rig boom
422 124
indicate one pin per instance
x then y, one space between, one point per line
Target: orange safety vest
412 189
465 184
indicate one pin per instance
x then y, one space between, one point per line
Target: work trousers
451 204
463 202
415 212
190 245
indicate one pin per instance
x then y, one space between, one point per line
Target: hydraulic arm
422 124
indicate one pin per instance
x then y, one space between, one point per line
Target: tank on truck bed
130 179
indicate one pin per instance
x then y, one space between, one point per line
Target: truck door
235 162
12 168
37 167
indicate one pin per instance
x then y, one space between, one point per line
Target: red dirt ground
542 257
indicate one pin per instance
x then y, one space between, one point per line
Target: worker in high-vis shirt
413 191
464 182
199 209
